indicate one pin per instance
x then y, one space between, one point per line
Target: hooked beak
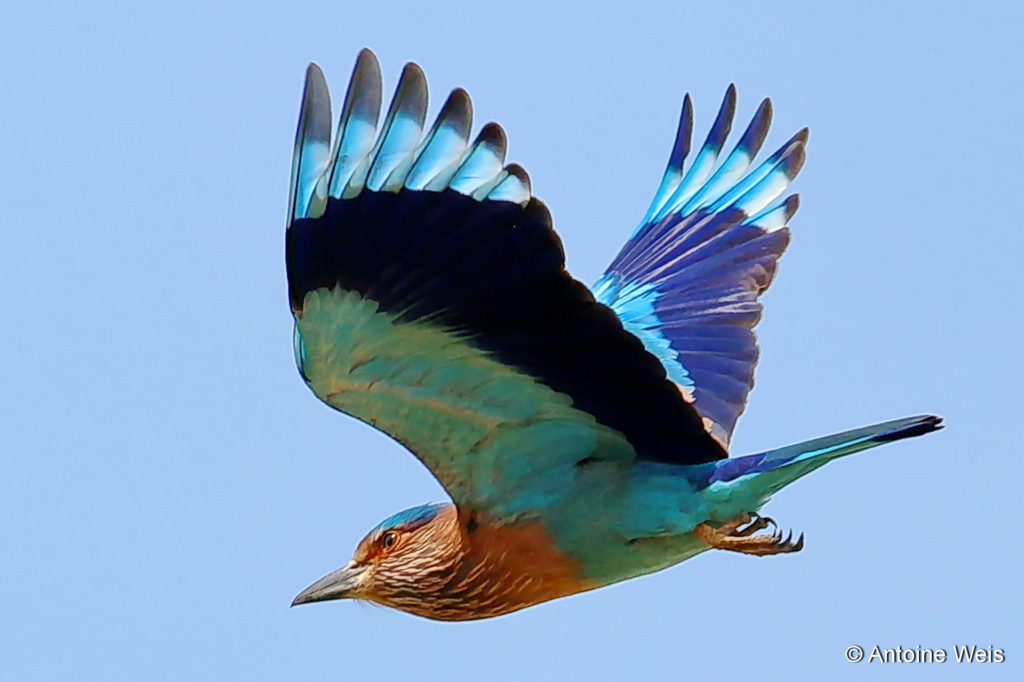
338 585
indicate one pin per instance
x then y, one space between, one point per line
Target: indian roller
582 433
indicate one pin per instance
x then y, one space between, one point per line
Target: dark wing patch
494 271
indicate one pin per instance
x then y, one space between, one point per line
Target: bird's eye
389 539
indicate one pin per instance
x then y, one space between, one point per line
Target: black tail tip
918 426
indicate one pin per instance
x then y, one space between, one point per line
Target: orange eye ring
388 540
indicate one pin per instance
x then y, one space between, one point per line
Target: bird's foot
738 535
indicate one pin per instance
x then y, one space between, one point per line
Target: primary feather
687 282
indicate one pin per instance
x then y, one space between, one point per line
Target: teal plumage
581 435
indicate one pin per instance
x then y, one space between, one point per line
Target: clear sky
168 483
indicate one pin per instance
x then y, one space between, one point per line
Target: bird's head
398 562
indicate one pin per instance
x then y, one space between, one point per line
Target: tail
766 473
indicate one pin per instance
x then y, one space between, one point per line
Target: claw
738 535
755 523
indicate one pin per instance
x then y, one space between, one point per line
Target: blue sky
168 484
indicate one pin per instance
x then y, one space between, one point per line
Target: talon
756 523
738 535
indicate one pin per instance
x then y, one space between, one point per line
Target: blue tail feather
767 472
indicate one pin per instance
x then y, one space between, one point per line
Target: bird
582 433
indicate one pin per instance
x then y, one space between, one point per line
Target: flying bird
582 433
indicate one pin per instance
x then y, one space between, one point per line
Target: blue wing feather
761 171
515 187
396 158
402 129
312 143
739 159
443 147
704 252
357 127
674 171
705 160
484 161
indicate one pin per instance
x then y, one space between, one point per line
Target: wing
687 282
431 301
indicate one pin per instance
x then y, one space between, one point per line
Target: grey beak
337 585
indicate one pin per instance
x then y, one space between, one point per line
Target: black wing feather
495 271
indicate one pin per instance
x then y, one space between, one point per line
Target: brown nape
468 567
738 535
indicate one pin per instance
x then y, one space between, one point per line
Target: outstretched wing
431 301
687 282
